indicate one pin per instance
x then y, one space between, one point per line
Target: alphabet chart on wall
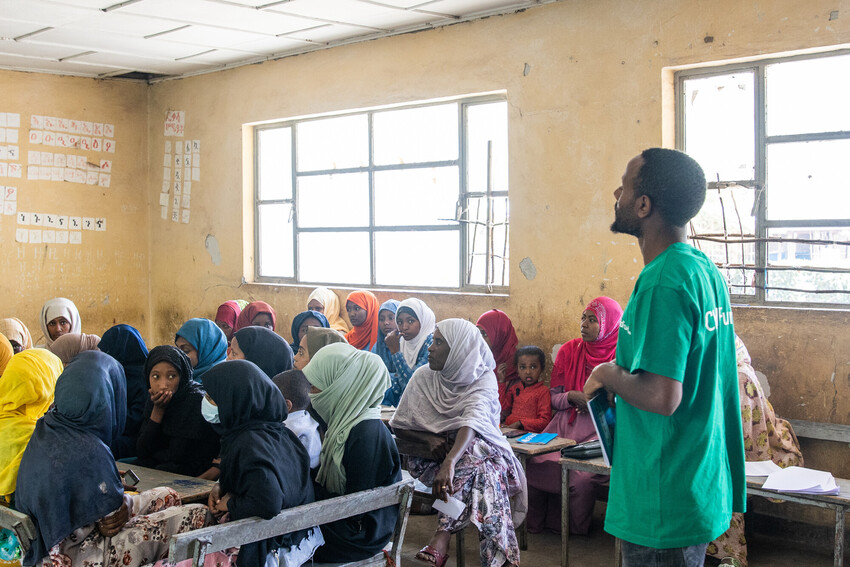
181 167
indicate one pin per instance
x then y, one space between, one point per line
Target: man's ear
643 206
288 405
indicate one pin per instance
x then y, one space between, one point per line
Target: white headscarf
330 302
427 322
59 307
462 394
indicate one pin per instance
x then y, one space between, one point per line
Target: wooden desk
189 488
523 451
838 502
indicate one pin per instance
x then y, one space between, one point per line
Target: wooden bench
821 431
196 544
20 524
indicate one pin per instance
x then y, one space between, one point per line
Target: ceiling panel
270 45
45 13
114 43
330 32
210 37
46 66
10 29
467 7
31 50
116 22
141 63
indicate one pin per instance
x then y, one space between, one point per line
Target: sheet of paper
760 468
453 508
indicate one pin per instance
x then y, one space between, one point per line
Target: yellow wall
107 274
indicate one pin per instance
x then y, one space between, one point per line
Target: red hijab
578 357
252 310
365 336
228 312
502 336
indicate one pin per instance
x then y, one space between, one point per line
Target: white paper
760 468
800 479
453 508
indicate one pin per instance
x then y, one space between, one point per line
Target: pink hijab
578 357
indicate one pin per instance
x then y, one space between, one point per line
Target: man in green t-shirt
678 464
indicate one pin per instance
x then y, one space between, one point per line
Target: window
413 196
774 140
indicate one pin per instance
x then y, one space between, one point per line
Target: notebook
603 421
537 438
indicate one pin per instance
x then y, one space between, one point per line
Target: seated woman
766 437
263 347
59 316
362 309
312 342
70 345
453 406
6 352
73 491
174 435
358 452
226 317
204 344
17 333
324 301
264 467
386 327
257 313
300 324
126 345
500 336
409 345
600 323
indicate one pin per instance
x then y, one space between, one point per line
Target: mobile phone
131 478
515 433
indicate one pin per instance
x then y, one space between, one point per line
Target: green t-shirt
676 480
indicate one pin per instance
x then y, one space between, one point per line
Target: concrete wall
107 274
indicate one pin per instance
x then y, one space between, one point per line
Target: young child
531 406
296 389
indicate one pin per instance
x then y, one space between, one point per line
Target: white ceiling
109 38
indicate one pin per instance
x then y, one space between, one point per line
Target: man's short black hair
295 387
674 182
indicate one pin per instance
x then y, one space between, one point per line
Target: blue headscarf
299 319
381 347
208 340
265 348
70 474
126 345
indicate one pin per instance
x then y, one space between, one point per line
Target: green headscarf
352 384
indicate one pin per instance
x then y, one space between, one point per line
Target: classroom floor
595 550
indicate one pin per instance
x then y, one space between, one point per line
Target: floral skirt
483 482
156 515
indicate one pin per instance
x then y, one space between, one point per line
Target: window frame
464 197
758 184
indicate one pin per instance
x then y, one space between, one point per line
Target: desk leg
839 536
522 529
565 516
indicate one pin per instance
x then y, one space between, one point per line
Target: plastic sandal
431 556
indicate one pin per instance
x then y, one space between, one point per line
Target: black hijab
264 467
265 348
71 478
125 344
183 417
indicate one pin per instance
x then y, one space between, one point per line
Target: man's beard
626 224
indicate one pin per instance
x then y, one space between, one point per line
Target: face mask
209 411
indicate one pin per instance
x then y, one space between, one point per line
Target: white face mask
209 411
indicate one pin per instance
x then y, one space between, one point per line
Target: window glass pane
333 200
427 133
808 180
478 236
274 163
808 96
416 196
275 230
334 257
395 264
333 143
487 123
781 283
720 125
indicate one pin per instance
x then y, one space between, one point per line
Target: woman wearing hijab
6 353
766 438
204 343
257 313
456 397
226 317
362 309
409 345
324 301
68 346
174 436
264 467
386 327
300 324
263 347
313 341
59 316
500 336
125 344
358 452
76 497
600 323
17 333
